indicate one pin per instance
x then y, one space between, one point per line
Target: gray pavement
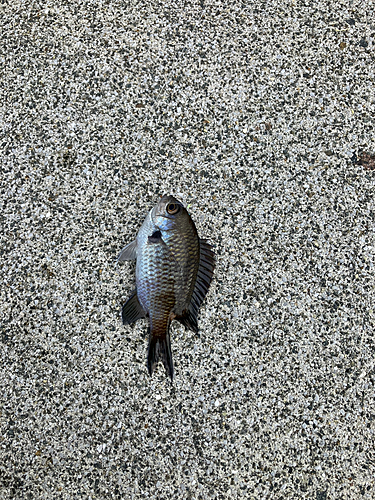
256 115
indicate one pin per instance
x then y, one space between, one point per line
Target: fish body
173 272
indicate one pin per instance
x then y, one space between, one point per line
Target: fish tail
159 349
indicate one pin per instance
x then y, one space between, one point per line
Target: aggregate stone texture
256 115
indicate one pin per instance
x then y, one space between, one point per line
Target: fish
174 269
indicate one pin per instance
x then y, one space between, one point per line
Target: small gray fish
173 273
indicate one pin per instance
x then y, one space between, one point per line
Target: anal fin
132 310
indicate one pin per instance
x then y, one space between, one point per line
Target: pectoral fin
129 252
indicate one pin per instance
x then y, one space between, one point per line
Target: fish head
168 213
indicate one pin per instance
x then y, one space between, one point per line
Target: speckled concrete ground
255 114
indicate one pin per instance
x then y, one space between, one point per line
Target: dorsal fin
202 283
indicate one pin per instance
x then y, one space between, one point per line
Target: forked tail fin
159 349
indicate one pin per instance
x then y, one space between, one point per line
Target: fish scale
173 273
156 288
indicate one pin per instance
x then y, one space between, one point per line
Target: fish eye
173 208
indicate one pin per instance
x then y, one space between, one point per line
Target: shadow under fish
174 270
